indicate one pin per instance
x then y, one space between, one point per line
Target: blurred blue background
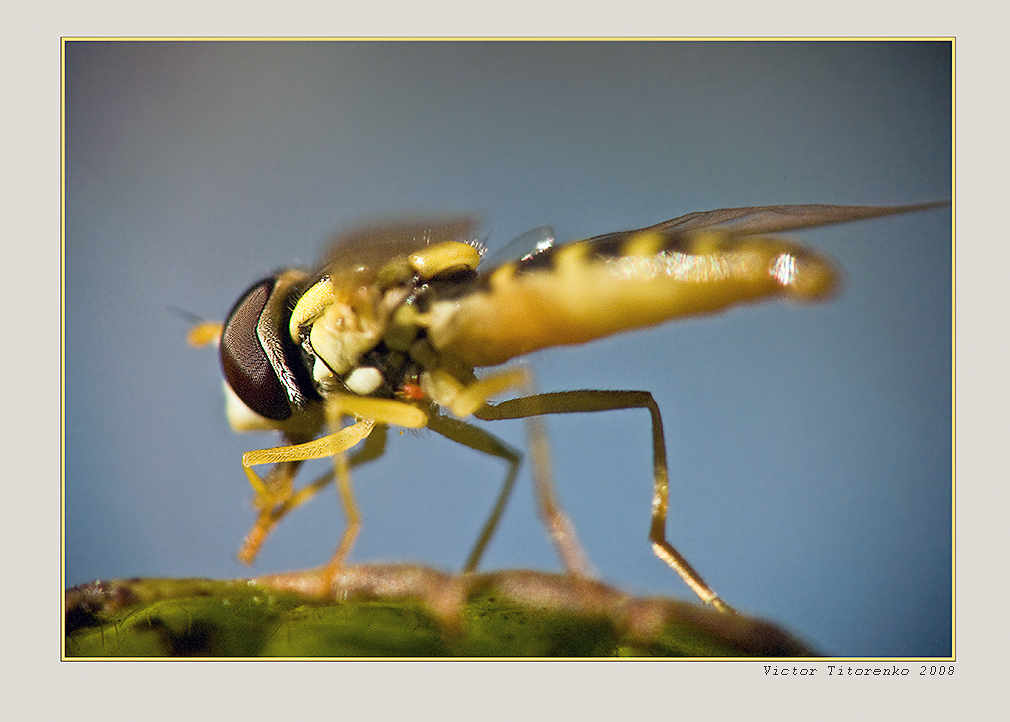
810 446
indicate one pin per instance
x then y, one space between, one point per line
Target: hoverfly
391 327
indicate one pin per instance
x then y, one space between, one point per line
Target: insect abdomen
578 292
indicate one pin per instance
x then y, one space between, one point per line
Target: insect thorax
364 332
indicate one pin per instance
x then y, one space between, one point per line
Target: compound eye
246 363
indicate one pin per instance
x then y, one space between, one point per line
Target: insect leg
373 447
379 412
353 516
271 515
273 502
586 401
558 525
275 496
320 448
480 440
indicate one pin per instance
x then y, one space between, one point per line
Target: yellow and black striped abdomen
581 291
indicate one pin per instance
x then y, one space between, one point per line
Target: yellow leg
273 501
352 514
584 401
275 496
320 448
270 516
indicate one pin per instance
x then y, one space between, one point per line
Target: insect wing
370 248
523 248
779 219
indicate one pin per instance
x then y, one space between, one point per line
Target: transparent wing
372 247
778 219
522 248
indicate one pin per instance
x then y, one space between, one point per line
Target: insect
390 330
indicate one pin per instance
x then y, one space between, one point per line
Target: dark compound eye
244 360
261 364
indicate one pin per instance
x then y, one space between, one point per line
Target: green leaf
402 611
